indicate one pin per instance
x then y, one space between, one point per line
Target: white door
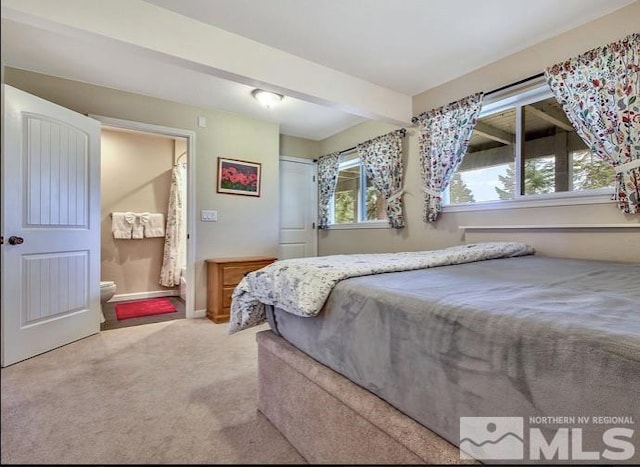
50 226
298 208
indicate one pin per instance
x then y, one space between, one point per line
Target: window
522 146
355 199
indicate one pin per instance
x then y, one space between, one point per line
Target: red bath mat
138 308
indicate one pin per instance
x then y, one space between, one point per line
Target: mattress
529 337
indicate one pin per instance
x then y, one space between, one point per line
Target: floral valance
600 93
382 160
442 143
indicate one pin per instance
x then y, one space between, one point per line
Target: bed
398 358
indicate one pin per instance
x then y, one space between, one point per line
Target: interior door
50 226
298 208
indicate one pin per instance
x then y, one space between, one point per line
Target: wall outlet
209 216
202 122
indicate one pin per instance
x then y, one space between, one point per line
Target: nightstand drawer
232 274
226 296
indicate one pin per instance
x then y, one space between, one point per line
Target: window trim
563 198
516 97
522 94
360 225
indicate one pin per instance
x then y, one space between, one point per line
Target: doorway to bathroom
146 254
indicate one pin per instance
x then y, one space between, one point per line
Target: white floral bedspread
302 285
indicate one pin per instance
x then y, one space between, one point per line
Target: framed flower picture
237 177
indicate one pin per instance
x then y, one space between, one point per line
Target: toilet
183 283
107 290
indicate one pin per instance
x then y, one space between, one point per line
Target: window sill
536 201
360 225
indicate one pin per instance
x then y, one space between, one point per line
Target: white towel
122 224
138 226
154 226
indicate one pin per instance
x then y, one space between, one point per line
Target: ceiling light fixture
266 98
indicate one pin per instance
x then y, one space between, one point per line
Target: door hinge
313 225
314 178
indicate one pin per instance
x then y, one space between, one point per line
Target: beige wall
354 135
535 59
303 148
600 243
136 177
226 134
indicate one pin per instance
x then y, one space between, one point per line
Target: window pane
346 197
487 170
546 150
589 172
562 160
376 205
539 175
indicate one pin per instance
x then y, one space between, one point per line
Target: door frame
190 136
314 205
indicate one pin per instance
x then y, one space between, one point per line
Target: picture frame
238 177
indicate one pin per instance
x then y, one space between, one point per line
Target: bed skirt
329 419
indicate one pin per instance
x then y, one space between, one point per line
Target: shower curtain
175 236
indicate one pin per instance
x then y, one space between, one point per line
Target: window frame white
517 97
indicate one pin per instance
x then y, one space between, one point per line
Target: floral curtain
600 93
382 160
327 179
442 143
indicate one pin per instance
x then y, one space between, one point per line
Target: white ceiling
118 66
406 46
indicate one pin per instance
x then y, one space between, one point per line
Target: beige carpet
173 392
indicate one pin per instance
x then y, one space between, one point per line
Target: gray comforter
518 337
302 285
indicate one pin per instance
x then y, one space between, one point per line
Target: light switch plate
209 215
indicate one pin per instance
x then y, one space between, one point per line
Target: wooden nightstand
223 274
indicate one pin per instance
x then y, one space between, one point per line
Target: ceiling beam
179 40
494 133
551 115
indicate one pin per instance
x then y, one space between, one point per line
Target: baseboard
200 313
142 295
